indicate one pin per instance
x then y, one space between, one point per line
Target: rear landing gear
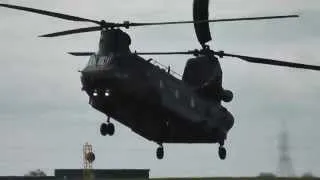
222 151
107 128
160 152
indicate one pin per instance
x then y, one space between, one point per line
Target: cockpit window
101 60
92 60
96 60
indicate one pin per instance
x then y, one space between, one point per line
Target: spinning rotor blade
126 24
255 18
270 61
81 53
49 13
245 58
201 21
201 13
165 53
205 21
73 31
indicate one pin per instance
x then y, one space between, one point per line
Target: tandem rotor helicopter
150 99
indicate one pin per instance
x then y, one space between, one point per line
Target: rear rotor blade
49 13
81 53
255 18
245 58
201 13
73 31
270 61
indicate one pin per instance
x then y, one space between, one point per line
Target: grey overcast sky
45 118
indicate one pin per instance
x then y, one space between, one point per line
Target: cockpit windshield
92 60
96 60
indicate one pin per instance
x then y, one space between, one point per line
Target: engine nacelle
227 96
200 70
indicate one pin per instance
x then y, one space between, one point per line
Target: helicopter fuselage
147 98
152 102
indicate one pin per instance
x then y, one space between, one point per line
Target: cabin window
108 59
101 60
177 93
192 102
161 84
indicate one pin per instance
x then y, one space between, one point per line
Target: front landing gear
107 128
222 153
160 152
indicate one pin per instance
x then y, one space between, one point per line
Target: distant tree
267 175
307 175
36 173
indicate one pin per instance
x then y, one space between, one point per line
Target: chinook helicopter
149 98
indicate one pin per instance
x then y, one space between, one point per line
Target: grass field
232 178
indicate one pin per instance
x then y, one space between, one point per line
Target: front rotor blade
49 13
166 53
81 53
270 61
214 20
73 31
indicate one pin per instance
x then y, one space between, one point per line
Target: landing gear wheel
160 152
222 153
104 129
107 129
110 128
